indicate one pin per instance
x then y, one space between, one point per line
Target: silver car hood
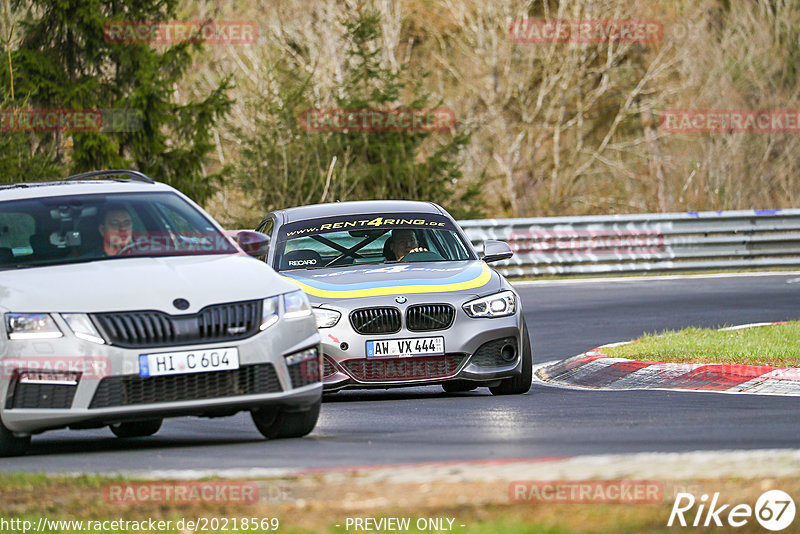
139 284
347 283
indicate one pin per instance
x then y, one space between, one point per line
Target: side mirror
496 251
253 243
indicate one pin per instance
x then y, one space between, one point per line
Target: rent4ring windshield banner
364 222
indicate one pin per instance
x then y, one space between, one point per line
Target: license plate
188 361
405 347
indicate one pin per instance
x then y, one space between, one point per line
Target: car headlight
295 304
498 305
326 318
269 312
31 326
82 327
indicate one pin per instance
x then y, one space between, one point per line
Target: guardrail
644 243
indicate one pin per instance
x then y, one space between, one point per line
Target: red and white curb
595 370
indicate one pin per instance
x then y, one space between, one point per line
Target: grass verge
776 345
309 504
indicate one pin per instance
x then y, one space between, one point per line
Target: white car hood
139 284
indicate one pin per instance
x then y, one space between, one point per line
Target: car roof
27 190
317 211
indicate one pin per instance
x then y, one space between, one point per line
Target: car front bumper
108 389
472 352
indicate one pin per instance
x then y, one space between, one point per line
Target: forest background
541 128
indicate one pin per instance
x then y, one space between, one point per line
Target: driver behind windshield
404 242
116 228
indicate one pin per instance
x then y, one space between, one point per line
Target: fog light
302 356
508 352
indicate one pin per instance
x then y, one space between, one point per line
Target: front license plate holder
403 348
188 361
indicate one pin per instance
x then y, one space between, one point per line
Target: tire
517 385
459 386
282 422
11 445
136 429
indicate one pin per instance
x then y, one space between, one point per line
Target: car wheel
136 429
285 422
521 383
459 386
11 445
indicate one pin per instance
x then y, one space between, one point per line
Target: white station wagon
123 302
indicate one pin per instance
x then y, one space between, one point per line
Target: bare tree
557 127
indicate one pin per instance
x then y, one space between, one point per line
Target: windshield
77 228
368 240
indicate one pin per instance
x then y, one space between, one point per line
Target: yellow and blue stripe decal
474 276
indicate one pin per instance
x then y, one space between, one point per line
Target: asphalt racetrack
425 425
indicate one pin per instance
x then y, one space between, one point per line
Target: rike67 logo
774 510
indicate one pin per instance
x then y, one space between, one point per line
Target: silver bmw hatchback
401 298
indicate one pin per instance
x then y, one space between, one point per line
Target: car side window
266 227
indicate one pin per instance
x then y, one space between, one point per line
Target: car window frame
278 246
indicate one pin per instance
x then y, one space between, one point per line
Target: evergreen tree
64 61
286 165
